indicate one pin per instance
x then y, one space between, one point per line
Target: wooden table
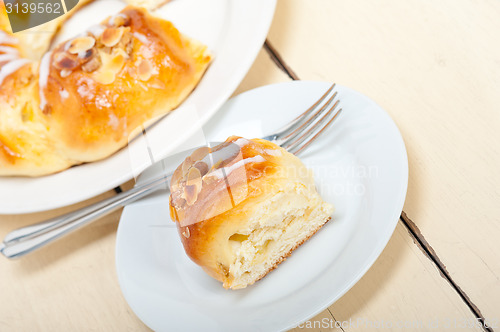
435 67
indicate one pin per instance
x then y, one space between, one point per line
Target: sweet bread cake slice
87 97
242 207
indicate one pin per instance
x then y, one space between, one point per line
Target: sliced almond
200 153
193 176
194 180
180 213
81 44
186 233
202 167
190 194
92 65
105 77
120 20
186 165
174 182
63 60
111 66
88 54
117 63
119 51
144 70
111 36
126 43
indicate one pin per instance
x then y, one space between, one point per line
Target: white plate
360 166
234 31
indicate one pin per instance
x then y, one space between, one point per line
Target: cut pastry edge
265 247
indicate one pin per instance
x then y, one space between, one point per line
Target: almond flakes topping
111 36
144 70
64 61
81 44
186 233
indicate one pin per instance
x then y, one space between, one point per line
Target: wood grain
403 288
434 66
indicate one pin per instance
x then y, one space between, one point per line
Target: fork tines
310 124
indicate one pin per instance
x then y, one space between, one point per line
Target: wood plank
402 289
434 66
263 72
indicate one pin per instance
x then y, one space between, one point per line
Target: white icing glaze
12 67
271 152
97 30
225 171
8 57
67 45
143 39
241 142
112 18
226 153
44 77
7 39
9 50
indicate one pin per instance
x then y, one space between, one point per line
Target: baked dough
88 97
242 207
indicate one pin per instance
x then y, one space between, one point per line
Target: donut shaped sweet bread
242 207
86 98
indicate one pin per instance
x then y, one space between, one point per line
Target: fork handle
25 240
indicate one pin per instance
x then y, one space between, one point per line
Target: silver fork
294 137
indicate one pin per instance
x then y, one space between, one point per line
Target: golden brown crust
87 98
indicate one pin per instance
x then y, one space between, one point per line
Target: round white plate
234 30
361 167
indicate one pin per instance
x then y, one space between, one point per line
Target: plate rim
75 195
371 259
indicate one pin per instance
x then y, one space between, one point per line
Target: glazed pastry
88 97
242 207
